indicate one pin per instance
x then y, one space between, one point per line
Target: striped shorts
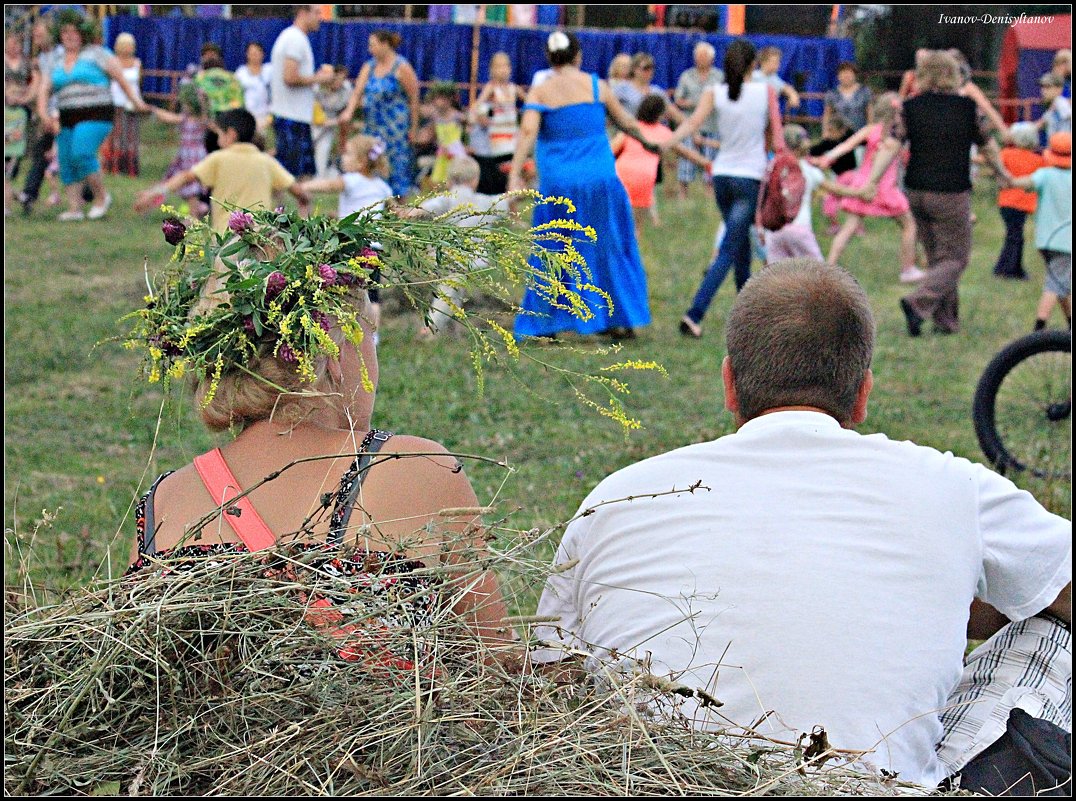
1026 665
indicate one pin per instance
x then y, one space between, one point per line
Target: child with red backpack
889 202
784 210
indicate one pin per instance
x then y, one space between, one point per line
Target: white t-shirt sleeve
1027 551
294 46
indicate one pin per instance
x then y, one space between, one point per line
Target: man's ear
859 411
732 403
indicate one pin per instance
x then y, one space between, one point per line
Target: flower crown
273 284
278 284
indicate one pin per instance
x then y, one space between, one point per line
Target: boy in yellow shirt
238 174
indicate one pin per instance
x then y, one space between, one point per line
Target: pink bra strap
221 485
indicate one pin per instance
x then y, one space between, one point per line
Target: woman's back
741 128
572 147
387 506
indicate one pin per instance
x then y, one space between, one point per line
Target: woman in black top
940 127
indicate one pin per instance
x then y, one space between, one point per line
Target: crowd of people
728 126
783 560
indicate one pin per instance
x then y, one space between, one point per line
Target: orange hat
1059 153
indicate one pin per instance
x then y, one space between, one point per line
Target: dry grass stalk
213 681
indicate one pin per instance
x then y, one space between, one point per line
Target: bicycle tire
984 407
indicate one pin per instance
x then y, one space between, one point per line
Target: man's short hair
463 170
801 333
239 120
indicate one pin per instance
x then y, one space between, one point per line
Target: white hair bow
557 41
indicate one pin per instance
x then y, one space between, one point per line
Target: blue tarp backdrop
443 51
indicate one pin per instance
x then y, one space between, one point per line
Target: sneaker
54 200
909 275
97 212
71 216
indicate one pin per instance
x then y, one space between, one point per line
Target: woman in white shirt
119 155
743 115
254 77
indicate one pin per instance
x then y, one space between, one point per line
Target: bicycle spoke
1034 441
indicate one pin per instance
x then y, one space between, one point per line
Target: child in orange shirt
1020 158
636 167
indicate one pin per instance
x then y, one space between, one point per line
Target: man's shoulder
292 36
658 473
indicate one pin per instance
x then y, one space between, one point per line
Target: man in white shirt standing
292 91
806 575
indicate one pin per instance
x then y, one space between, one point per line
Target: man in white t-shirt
807 575
292 91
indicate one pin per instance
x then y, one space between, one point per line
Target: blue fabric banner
443 51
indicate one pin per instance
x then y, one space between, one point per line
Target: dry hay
213 681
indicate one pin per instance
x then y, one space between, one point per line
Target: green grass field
85 438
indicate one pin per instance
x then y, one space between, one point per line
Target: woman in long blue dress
387 89
564 118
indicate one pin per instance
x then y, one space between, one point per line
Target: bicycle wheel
1023 406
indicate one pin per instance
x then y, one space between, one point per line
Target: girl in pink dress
636 167
889 202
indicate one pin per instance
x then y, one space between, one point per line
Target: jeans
736 198
1011 259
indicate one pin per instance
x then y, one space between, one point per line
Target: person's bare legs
909 272
74 197
1046 305
97 186
639 215
840 241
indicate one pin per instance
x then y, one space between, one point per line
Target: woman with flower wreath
270 320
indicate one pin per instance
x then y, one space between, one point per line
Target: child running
835 131
365 163
889 202
797 239
192 125
464 174
240 175
448 123
636 167
1020 157
1053 226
